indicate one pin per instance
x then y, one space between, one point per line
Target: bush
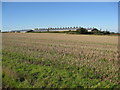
96 31
106 32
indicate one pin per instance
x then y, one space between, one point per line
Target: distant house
89 30
23 31
94 30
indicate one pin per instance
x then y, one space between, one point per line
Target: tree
82 31
106 32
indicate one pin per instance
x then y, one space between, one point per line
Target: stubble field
51 60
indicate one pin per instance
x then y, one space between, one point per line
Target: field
55 60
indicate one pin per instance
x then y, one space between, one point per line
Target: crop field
54 60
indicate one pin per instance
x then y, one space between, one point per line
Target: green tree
106 32
82 31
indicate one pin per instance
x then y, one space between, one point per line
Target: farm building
57 29
51 29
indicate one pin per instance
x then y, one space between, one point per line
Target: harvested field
53 60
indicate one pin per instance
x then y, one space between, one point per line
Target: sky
60 0
29 15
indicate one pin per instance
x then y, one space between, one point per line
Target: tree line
93 31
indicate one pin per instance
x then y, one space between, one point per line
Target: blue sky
28 15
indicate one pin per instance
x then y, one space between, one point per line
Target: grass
36 75
59 61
